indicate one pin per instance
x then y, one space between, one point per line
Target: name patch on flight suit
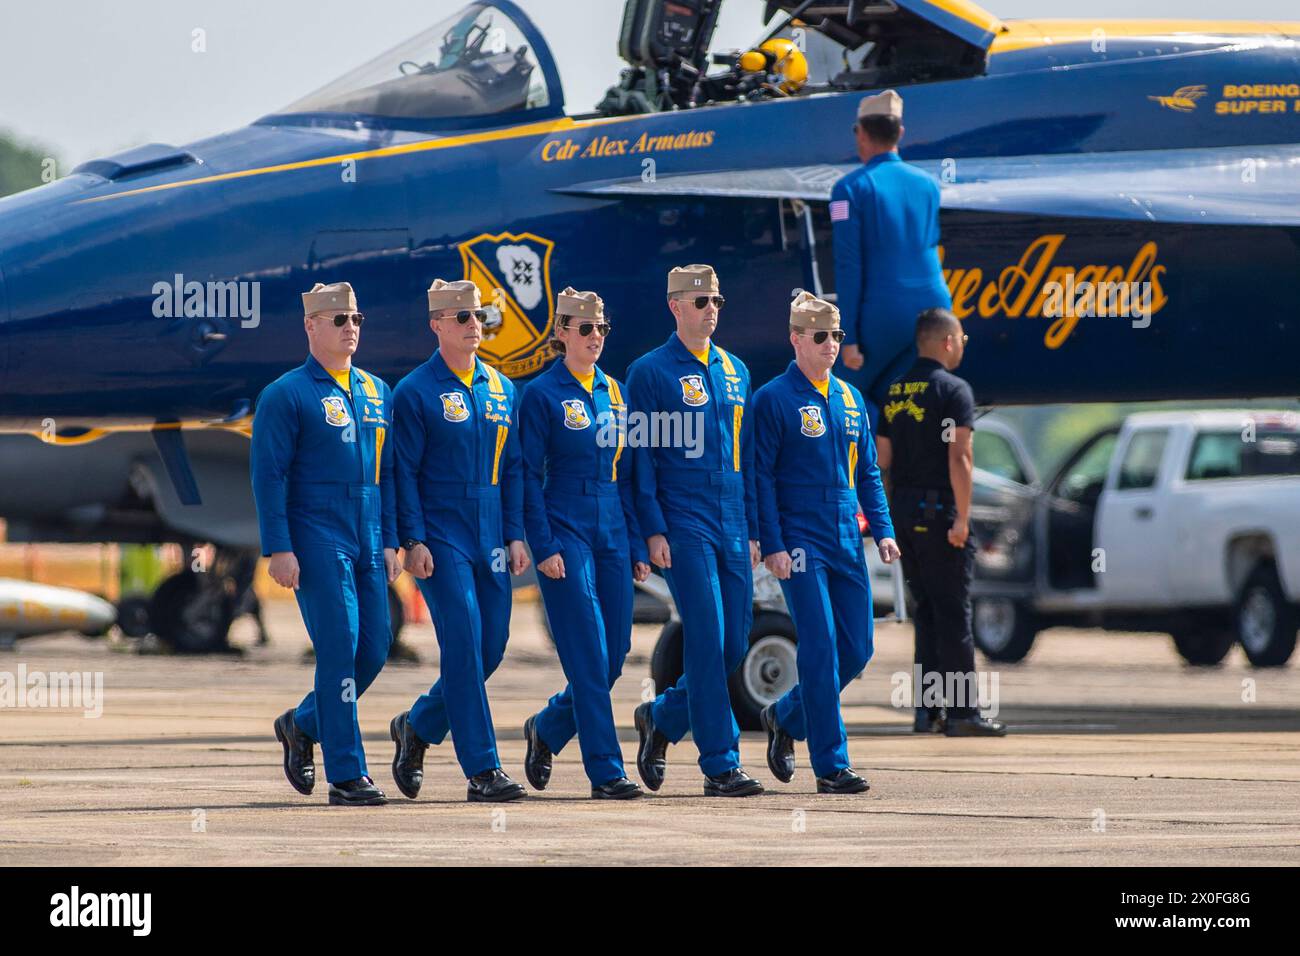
693 392
810 421
373 412
852 422
453 406
336 411
575 414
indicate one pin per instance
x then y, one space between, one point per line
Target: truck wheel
1265 622
133 615
1203 645
769 669
1004 629
666 666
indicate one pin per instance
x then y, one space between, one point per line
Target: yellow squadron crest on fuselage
810 421
693 392
453 406
336 411
575 414
513 274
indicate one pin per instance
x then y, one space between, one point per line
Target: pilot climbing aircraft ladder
767 593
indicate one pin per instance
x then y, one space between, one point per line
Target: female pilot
580 525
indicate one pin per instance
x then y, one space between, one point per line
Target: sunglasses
820 335
702 301
586 328
342 318
464 315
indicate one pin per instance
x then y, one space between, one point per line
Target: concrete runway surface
1119 754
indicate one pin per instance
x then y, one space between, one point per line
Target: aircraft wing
1240 185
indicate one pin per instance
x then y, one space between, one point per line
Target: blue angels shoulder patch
575 414
336 411
810 421
693 392
453 406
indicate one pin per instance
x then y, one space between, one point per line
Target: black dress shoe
651 754
843 781
299 753
927 721
974 726
780 745
620 789
537 757
733 783
408 759
493 786
360 792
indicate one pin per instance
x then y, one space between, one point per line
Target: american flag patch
839 210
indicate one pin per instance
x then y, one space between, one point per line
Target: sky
86 78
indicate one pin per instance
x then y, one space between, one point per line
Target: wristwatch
410 543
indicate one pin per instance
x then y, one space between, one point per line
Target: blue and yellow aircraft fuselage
161 286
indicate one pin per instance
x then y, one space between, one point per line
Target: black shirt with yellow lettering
919 418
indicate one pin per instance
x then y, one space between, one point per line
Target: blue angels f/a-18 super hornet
147 298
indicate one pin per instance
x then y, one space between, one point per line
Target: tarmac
1119 755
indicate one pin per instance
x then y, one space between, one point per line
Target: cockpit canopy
485 61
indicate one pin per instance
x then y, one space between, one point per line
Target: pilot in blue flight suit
460 519
322 476
814 463
578 511
885 232
695 502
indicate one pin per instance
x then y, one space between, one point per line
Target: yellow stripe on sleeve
502 431
725 359
616 398
738 413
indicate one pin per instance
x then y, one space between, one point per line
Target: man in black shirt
924 438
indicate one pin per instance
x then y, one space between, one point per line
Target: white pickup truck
1179 522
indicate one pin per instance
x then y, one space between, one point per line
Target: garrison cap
335 297
579 305
888 103
458 294
813 314
698 279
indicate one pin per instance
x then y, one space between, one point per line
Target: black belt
931 502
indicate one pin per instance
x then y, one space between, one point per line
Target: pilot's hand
660 554
284 569
391 564
419 561
852 356
779 565
552 567
519 558
958 533
889 552
755 553
640 571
